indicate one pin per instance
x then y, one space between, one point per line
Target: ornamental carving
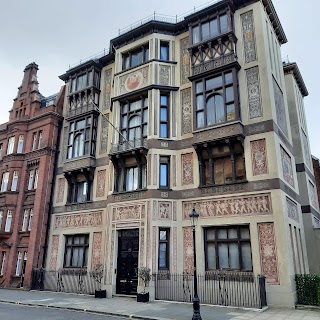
259 157
90 219
111 257
185 61
175 250
186 122
65 144
142 243
61 184
248 37
235 206
254 95
188 250
292 210
313 196
280 108
101 183
134 80
104 134
187 168
54 253
107 95
268 252
165 211
164 77
79 164
174 169
127 213
96 249
287 167
154 249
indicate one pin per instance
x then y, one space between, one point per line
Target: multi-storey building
186 114
27 157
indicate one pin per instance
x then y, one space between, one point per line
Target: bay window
85 80
80 187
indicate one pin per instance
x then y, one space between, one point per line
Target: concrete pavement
157 310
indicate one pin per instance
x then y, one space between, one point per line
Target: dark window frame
92 78
73 188
164 161
218 241
165 45
167 243
165 107
127 62
85 246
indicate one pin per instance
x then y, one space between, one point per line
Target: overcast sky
57 33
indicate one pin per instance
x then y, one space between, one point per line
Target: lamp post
196 302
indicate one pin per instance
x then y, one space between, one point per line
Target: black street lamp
196 302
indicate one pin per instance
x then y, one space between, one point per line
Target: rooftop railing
99 55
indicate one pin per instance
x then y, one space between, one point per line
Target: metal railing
128 145
236 289
98 55
64 280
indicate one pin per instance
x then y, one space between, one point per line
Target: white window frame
8 221
5 181
40 139
10 145
3 263
18 267
30 181
34 142
20 143
30 220
1 219
1 149
14 183
25 220
36 178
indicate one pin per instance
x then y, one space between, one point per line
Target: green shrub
308 289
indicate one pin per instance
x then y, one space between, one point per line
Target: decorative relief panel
313 196
107 96
127 213
149 169
292 210
259 157
101 183
155 208
185 61
61 184
165 211
175 250
134 80
235 206
111 256
188 250
186 109
104 134
250 53
280 108
141 251
174 170
154 249
254 95
187 168
268 252
174 211
90 219
287 167
148 243
54 253
96 249
164 76
79 164
65 144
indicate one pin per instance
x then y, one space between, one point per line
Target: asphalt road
16 312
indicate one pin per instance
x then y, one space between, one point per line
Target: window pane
163 235
125 108
76 240
199 87
218 171
214 28
222 234
146 54
220 117
232 233
213 83
234 256
164 51
162 255
211 256
223 255
244 233
80 257
223 23
228 78
163 114
205 31
163 130
229 94
200 119
164 100
246 256
231 115
144 175
227 170
80 124
195 35
135 105
135 178
210 233
211 115
145 115
163 175
75 257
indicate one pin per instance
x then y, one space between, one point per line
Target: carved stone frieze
254 93
101 183
187 168
79 164
292 210
259 157
287 167
79 220
186 111
250 53
130 196
107 95
185 61
127 213
164 75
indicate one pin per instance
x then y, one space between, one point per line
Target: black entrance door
127 266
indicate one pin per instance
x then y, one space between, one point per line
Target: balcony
127 146
85 162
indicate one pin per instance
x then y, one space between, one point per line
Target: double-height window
135 57
217 100
76 251
7 227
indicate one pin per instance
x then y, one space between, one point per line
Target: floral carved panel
313 195
292 210
165 211
164 75
107 95
154 249
90 219
186 111
287 167
175 250
96 249
250 53
104 134
174 169
134 80
268 252
101 183
141 251
188 250
185 61
127 213
259 204
187 168
54 253
254 94
110 273
259 157
61 184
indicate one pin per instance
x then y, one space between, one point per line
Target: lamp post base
196 309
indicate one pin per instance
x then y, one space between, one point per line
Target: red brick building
316 169
28 144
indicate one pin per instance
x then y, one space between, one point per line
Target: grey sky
57 33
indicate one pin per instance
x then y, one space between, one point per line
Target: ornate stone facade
154 249
175 250
268 252
247 22
111 255
287 167
234 206
127 213
164 75
54 253
165 210
134 80
185 61
259 157
186 111
78 220
174 170
292 210
107 95
101 183
188 250
61 184
313 195
280 108
254 93
104 134
187 168
141 250
96 249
